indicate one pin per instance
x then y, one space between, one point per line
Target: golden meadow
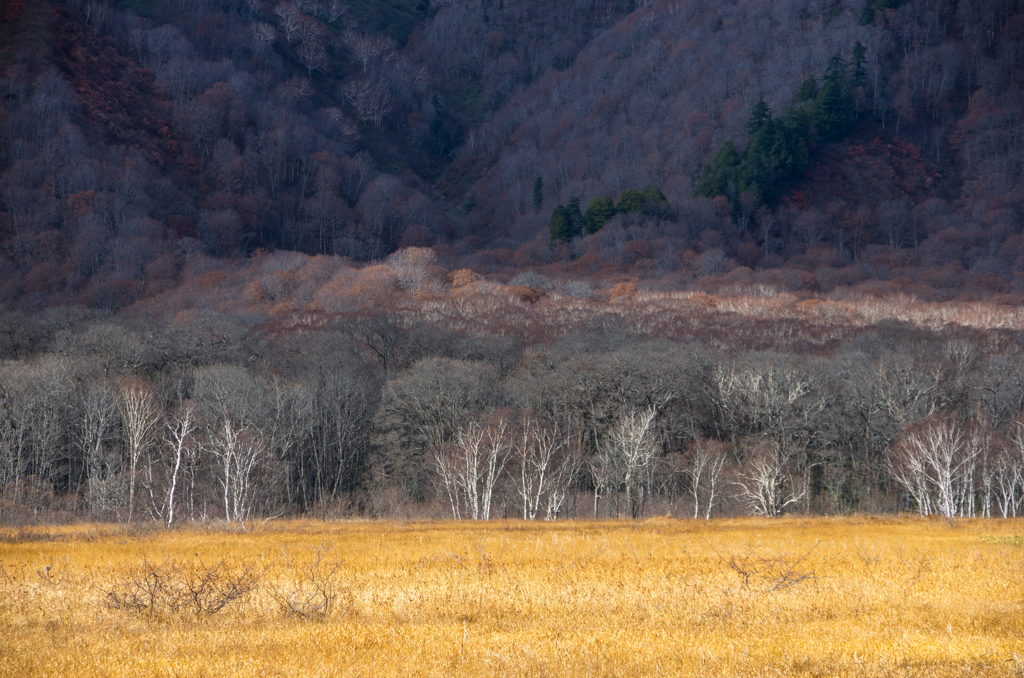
745 597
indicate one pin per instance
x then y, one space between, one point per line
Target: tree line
214 418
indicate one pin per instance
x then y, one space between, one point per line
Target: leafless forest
483 405
510 258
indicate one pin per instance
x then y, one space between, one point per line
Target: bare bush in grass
152 588
775 571
317 593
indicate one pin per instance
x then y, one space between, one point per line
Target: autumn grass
823 597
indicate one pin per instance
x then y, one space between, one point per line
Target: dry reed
822 597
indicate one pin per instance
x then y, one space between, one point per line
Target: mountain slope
141 138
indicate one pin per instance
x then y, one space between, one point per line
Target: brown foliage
623 291
528 294
464 277
116 95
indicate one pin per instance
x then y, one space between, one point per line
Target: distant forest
510 258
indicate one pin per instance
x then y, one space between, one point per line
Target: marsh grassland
823 597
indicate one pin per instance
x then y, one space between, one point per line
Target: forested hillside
340 256
901 147
885 137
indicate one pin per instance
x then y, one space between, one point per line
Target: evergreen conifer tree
808 90
575 216
832 111
714 181
599 212
630 201
560 225
857 60
760 115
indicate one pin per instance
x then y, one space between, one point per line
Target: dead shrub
152 588
774 572
317 593
528 294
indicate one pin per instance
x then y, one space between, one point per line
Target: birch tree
546 467
140 416
934 460
240 451
470 466
178 436
94 430
704 465
632 446
764 485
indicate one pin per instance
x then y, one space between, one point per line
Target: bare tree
332 10
308 6
470 467
704 465
347 130
342 409
310 30
35 403
1009 471
15 427
934 460
546 467
979 471
98 409
178 436
313 56
447 471
240 451
604 473
894 221
372 100
50 392
765 485
290 20
261 37
368 48
633 443
140 416
422 410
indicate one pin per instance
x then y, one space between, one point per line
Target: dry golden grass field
793 597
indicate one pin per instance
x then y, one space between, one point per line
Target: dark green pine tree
797 126
836 67
858 61
630 201
575 216
873 8
766 161
760 115
653 194
714 180
755 175
599 212
832 111
560 225
656 204
442 132
867 13
808 90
